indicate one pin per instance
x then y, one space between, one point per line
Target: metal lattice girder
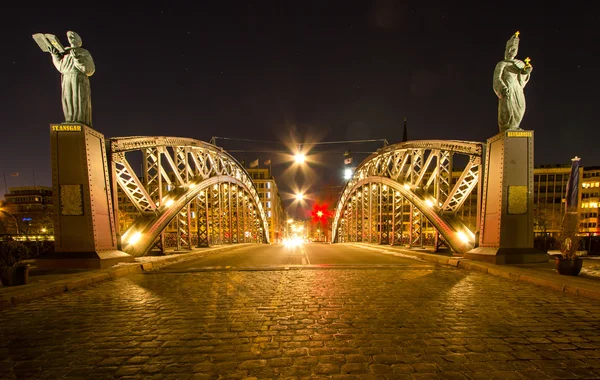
233 209
183 229
373 213
422 171
416 237
152 177
464 185
416 164
442 176
364 196
216 214
169 161
385 215
202 219
181 163
226 212
243 224
131 185
353 218
398 218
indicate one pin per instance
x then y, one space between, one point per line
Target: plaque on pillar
84 224
506 232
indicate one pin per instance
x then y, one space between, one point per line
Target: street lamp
299 197
299 158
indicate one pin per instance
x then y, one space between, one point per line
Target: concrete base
83 260
507 255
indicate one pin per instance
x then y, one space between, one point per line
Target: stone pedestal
84 223
506 226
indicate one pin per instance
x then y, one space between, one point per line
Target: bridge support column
506 229
84 223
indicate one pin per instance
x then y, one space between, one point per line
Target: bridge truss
194 188
411 194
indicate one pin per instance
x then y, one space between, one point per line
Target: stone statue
510 77
76 65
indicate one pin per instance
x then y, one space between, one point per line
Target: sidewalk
49 282
587 284
46 283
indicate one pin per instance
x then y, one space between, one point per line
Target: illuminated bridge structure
407 190
184 181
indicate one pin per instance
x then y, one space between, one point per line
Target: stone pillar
506 234
84 224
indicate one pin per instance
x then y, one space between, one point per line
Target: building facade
268 192
31 209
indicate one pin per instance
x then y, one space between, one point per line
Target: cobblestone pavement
416 322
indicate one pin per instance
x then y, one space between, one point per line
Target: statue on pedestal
76 65
510 77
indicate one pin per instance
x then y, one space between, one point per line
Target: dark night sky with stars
310 70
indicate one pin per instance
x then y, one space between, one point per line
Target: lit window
269 204
268 185
269 195
269 214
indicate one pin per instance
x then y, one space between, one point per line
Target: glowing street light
299 197
135 238
347 173
299 158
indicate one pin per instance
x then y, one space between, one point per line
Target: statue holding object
76 65
510 77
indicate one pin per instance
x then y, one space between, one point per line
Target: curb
78 281
509 273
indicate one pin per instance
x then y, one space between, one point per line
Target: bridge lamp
463 237
407 186
429 202
135 238
347 173
169 203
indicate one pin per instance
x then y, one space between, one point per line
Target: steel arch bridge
184 181
407 190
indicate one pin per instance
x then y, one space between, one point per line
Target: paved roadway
306 254
402 319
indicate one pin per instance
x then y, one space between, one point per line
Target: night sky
302 71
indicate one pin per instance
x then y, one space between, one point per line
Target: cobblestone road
417 322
